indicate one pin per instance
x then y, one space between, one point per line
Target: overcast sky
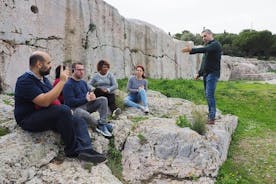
174 16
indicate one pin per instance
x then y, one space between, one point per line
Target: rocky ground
154 149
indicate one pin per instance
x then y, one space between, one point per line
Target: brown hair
101 63
140 66
74 65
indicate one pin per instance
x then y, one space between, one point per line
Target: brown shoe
211 122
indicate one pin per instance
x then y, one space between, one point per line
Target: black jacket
211 58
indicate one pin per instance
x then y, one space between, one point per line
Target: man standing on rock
210 69
37 109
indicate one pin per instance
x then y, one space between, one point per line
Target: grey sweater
133 84
107 81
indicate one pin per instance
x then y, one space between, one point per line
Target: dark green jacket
211 58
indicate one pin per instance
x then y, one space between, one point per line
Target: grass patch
182 122
4 131
115 161
251 157
120 102
88 166
199 124
142 139
135 120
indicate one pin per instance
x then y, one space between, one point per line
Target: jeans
99 104
210 83
133 99
59 118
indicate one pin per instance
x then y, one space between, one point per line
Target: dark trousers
110 98
59 118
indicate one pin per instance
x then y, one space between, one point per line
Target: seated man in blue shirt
37 109
83 102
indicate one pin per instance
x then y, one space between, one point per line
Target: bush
182 122
4 131
199 124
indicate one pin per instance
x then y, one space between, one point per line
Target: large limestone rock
154 149
23 154
87 31
35 157
236 68
74 172
158 150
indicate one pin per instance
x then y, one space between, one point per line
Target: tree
248 43
255 43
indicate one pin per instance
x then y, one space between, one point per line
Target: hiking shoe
109 127
102 129
211 122
116 113
91 156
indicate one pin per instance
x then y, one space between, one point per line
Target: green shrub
7 101
120 102
182 122
4 131
199 124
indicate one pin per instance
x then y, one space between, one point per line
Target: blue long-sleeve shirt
74 93
211 58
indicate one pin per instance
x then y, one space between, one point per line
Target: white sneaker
146 109
142 108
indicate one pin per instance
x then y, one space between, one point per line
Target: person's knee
79 112
80 121
142 91
126 101
102 100
63 110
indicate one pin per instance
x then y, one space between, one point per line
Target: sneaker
142 108
91 156
146 109
116 113
109 127
102 129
